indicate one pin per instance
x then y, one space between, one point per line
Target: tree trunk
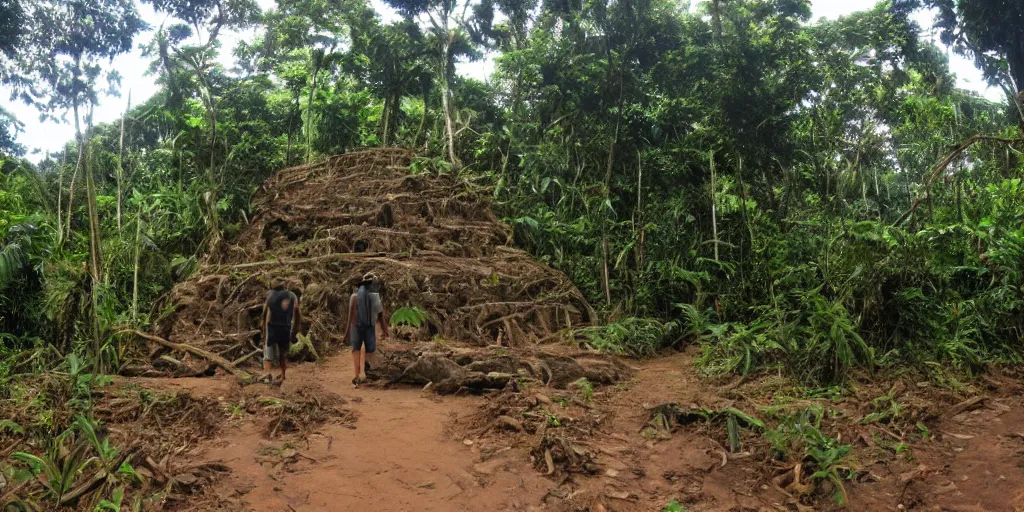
423 120
135 269
78 165
638 226
309 106
385 119
446 104
120 164
60 195
291 128
1015 60
606 277
716 20
714 213
95 260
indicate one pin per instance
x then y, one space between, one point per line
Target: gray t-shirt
376 307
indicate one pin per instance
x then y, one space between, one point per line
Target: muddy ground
537 447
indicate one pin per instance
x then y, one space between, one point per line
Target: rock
186 480
489 467
621 495
919 472
468 442
242 491
615 464
611 473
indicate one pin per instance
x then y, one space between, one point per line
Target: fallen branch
944 164
966 405
245 358
242 375
97 479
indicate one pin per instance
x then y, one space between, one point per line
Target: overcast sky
50 136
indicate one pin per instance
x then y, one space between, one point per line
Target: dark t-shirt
281 304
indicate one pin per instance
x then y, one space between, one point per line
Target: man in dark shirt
281 320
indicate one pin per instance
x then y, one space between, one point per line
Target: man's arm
296 319
263 324
383 322
351 315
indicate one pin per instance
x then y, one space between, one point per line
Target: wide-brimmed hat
370 277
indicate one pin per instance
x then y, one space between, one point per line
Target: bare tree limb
943 164
242 375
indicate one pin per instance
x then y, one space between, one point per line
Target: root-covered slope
434 242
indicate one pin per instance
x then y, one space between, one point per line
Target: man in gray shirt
365 312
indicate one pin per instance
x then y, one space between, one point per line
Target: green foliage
743 179
585 386
11 427
884 409
641 337
798 438
817 341
413 316
673 506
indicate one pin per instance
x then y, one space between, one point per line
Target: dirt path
402 453
396 456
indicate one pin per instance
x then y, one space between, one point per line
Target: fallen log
101 476
242 375
966 405
246 357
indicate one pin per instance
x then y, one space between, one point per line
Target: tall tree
61 59
11 19
451 24
990 32
185 55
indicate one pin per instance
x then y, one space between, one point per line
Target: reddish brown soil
396 458
973 462
405 452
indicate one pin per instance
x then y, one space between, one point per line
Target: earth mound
433 240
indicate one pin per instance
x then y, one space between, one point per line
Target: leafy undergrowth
816 442
75 439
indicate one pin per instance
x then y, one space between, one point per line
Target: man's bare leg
356 365
284 366
266 371
362 363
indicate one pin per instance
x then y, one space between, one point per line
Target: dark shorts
278 340
364 336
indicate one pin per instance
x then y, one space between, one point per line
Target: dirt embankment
433 240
